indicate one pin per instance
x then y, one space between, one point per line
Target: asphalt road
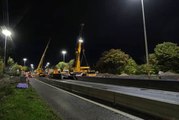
72 107
158 95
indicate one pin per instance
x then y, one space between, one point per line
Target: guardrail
153 107
159 84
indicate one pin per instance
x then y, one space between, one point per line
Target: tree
71 64
112 61
167 55
153 59
153 64
10 61
25 68
15 69
130 67
62 66
144 69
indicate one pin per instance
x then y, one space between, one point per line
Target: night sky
108 24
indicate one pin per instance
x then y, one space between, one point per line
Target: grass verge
25 104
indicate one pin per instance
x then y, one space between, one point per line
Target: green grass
25 104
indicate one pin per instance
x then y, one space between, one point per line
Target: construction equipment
39 71
56 74
78 69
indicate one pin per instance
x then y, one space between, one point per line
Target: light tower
64 52
7 34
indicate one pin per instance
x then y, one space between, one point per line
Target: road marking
98 104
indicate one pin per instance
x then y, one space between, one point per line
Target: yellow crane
85 70
39 70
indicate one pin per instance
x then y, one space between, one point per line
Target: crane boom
78 51
39 68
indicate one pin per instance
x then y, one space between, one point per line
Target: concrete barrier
153 107
160 84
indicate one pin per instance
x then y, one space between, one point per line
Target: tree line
12 67
165 58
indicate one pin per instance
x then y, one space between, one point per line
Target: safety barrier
157 108
159 84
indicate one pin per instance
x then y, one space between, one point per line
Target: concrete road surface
152 94
73 107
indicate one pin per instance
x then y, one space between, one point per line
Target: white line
98 104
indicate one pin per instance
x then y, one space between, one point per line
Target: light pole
145 34
64 52
24 59
7 34
47 65
32 67
80 40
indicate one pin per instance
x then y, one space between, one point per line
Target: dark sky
108 24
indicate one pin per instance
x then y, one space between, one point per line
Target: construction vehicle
39 71
56 74
79 70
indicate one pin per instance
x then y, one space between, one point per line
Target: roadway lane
158 95
72 107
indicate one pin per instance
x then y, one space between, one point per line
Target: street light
32 67
24 59
48 63
7 33
80 40
145 34
64 53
